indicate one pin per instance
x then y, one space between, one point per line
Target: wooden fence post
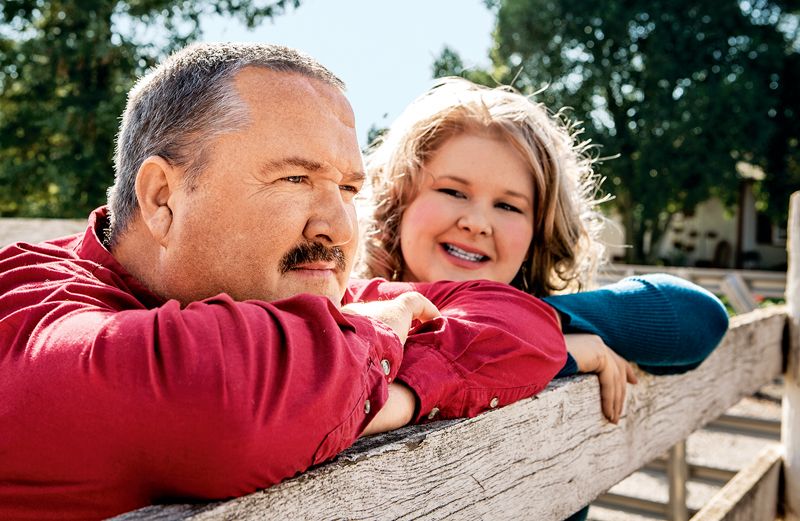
790 425
678 474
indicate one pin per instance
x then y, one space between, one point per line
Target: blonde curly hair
565 253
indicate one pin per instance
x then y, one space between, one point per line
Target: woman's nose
474 220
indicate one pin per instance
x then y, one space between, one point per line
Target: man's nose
331 219
475 220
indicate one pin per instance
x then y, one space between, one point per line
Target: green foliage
374 133
678 92
449 63
65 69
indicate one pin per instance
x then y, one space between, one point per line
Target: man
192 343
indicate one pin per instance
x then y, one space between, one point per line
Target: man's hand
593 356
397 313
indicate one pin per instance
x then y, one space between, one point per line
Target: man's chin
331 288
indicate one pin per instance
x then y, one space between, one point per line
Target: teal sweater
664 324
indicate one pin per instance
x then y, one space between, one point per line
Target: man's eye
509 208
452 193
349 188
296 179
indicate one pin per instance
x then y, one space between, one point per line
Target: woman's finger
608 390
622 366
630 375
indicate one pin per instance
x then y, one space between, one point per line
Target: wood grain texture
542 458
752 495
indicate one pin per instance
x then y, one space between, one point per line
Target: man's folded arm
220 398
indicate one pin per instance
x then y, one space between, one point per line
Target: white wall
701 233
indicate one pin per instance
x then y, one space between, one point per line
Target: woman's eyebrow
510 193
518 195
453 178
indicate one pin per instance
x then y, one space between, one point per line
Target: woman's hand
593 356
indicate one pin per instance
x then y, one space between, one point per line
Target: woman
472 182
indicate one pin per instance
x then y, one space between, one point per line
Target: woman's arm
663 323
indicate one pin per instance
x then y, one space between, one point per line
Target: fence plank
764 283
735 288
751 495
541 458
790 424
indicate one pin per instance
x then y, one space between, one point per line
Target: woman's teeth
455 251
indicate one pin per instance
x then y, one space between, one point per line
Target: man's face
273 213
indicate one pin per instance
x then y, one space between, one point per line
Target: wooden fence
544 458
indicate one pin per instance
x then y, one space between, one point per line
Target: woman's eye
452 193
508 207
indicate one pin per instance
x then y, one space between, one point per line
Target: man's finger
420 307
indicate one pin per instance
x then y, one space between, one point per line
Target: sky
382 49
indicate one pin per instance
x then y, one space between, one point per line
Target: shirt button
387 368
433 413
494 402
367 407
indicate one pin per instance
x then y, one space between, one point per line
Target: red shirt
112 398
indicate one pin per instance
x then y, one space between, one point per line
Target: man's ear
155 182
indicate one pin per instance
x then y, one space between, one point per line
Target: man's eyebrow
292 161
354 177
309 165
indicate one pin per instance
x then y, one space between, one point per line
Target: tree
65 68
677 92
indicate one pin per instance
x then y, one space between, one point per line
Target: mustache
313 252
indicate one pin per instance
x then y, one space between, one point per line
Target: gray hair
178 109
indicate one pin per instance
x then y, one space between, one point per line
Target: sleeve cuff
430 377
570 367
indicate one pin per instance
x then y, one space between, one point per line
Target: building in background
716 237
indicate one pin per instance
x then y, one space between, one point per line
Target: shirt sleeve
214 400
492 346
665 324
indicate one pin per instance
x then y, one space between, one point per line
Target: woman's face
473 217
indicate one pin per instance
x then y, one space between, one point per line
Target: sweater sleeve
215 400
492 346
663 323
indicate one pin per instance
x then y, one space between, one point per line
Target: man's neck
138 254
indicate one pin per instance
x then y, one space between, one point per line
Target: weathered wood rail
541 458
769 284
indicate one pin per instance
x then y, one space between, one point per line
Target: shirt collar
91 248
